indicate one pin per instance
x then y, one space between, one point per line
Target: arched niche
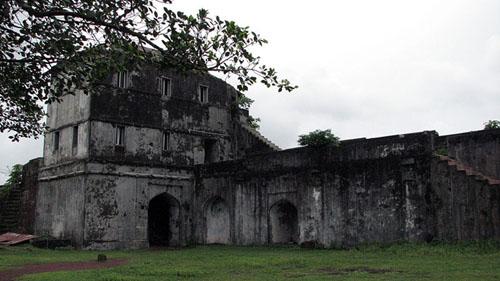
283 223
217 221
163 220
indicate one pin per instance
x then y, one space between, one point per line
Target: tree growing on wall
492 124
245 102
253 122
318 138
48 48
15 176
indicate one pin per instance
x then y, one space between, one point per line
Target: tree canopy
318 138
492 124
48 48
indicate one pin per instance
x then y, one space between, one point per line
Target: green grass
466 261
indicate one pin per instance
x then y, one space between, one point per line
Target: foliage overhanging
50 47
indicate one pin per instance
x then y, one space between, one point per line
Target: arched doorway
217 221
163 221
283 223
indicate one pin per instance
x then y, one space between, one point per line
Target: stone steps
469 171
260 137
9 215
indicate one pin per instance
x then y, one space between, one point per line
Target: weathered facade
366 190
112 157
158 158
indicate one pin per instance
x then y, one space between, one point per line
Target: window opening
203 94
166 141
119 135
210 151
165 86
122 79
75 136
57 135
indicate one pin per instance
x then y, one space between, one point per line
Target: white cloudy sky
364 68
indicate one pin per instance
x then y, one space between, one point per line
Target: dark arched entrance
283 223
217 221
163 221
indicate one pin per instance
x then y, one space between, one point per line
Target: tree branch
95 21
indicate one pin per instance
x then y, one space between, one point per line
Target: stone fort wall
367 190
134 166
363 191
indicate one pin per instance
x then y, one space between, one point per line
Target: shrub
253 122
492 124
319 138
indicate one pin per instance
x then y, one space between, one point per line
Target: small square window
164 86
122 79
57 136
119 135
166 141
203 94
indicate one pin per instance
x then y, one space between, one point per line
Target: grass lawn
468 261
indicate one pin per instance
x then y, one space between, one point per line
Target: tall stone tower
114 159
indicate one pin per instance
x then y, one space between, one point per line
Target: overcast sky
364 68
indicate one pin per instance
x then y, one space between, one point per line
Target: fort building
156 158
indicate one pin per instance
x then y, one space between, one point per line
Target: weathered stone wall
105 206
146 114
99 184
464 206
479 150
73 110
247 143
60 208
197 131
143 145
28 199
364 191
219 181
9 209
116 209
367 190
17 209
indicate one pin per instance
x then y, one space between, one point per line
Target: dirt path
12 274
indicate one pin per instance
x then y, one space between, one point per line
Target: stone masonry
164 159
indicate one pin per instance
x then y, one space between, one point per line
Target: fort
162 159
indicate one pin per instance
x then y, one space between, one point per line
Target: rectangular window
203 94
166 141
122 79
210 147
75 136
56 140
119 135
165 86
